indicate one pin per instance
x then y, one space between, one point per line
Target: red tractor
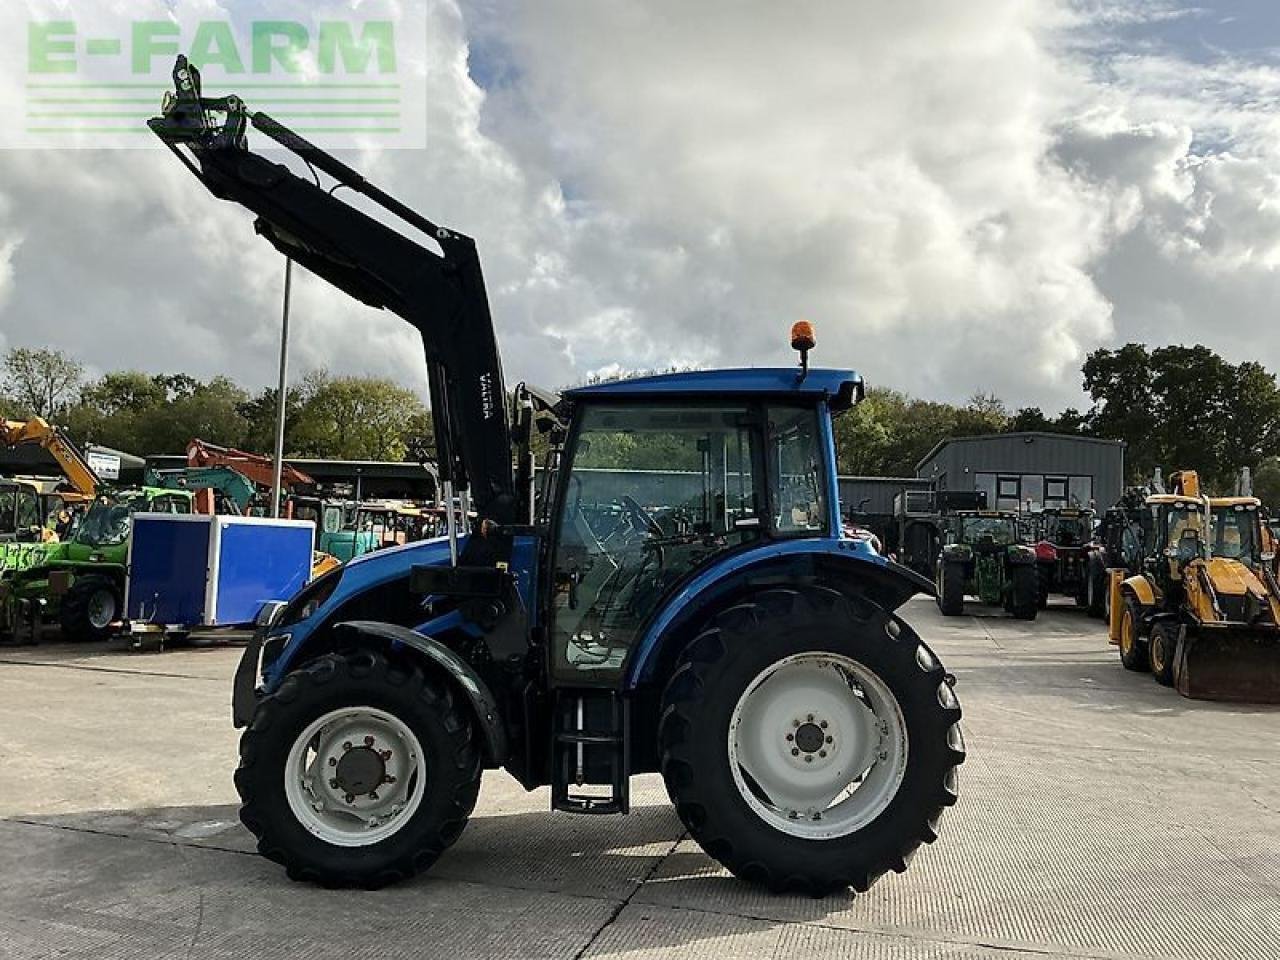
1065 536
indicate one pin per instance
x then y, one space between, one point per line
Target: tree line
326 416
1174 406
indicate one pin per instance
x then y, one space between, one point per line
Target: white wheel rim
329 777
818 746
102 609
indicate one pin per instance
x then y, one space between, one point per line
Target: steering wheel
640 516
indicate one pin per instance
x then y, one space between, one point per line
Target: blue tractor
671 593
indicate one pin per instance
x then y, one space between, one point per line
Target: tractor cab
1237 531
109 521
21 515
1066 528
1180 535
662 477
987 531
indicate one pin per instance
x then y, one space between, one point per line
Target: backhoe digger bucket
1239 665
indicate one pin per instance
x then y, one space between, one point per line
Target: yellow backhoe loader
1203 612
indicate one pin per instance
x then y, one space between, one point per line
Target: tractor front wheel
1024 599
1095 588
89 609
1160 652
810 741
357 772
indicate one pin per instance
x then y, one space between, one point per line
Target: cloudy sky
962 197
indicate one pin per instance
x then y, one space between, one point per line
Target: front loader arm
441 294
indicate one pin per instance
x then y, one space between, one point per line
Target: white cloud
962 197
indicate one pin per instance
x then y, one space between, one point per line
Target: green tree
259 413
151 414
355 418
889 433
1266 483
40 383
1179 406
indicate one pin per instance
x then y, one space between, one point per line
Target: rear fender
848 566
439 658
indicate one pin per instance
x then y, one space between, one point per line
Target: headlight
310 599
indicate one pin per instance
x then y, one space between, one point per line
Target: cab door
652 493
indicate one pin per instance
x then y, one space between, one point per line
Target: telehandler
1203 612
733 641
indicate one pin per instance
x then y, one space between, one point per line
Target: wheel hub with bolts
354 776
830 769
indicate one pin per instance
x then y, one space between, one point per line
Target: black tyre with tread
1133 648
1095 587
1161 648
951 588
701 697
1044 577
1024 591
79 608
361 678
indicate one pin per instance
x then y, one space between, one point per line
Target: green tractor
982 556
80 582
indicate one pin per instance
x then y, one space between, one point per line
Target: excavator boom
74 466
231 483
257 468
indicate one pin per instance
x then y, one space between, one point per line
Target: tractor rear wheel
89 609
951 589
1095 588
1024 592
1160 653
1133 649
357 772
810 741
1043 577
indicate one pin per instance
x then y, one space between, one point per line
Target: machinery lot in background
121 837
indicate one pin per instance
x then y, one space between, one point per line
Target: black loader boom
441 294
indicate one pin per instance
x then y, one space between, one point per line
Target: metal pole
451 521
278 465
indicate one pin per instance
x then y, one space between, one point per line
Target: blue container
198 571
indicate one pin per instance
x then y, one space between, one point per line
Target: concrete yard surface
1101 816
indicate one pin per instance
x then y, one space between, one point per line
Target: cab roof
839 388
1175 498
1234 502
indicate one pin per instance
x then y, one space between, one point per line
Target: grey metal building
875 494
1029 470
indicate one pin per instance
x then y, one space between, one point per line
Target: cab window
796 458
653 493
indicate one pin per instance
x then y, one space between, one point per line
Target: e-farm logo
342 74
